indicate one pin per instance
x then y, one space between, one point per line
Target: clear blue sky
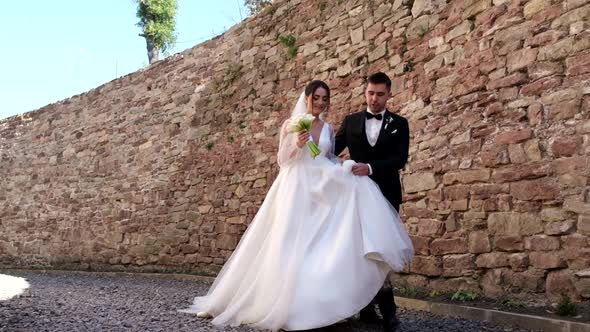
55 49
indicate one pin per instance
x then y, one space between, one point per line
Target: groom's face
377 96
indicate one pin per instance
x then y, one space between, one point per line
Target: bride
320 246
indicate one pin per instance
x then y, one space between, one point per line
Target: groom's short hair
380 78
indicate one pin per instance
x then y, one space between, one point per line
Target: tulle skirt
318 251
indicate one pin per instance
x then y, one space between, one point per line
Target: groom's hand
360 169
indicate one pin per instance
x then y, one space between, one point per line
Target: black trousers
385 297
387 289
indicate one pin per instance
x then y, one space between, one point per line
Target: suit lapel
360 129
388 121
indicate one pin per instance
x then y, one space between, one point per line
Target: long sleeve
288 150
340 138
399 155
331 154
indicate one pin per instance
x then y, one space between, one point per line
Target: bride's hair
314 85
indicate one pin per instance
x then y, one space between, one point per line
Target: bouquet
302 122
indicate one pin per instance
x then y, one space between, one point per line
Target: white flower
300 122
387 122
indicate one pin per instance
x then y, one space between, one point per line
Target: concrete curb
493 316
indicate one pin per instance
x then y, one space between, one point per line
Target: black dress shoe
390 325
387 308
369 316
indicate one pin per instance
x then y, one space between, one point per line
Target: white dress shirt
372 129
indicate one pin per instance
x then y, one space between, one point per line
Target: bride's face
319 100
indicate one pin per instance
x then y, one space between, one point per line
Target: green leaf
157 19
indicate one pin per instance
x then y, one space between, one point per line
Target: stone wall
163 169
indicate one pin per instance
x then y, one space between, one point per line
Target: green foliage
242 125
232 72
291 52
408 66
510 303
289 42
371 45
423 31
210 145
256 6
464 296
404 47
408 291
157 19
566 307
434 294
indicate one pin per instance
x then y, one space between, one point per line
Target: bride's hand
302 138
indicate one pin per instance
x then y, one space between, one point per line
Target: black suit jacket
387 157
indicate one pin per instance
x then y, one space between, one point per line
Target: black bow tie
370 115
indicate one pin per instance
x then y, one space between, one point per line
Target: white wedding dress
317 251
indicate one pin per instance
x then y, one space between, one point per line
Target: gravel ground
63 301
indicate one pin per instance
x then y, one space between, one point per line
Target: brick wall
163 169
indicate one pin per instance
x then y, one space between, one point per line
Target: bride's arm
331 154
288 150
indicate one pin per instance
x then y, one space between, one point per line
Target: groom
378 141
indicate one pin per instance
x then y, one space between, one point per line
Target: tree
157 19
256 6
